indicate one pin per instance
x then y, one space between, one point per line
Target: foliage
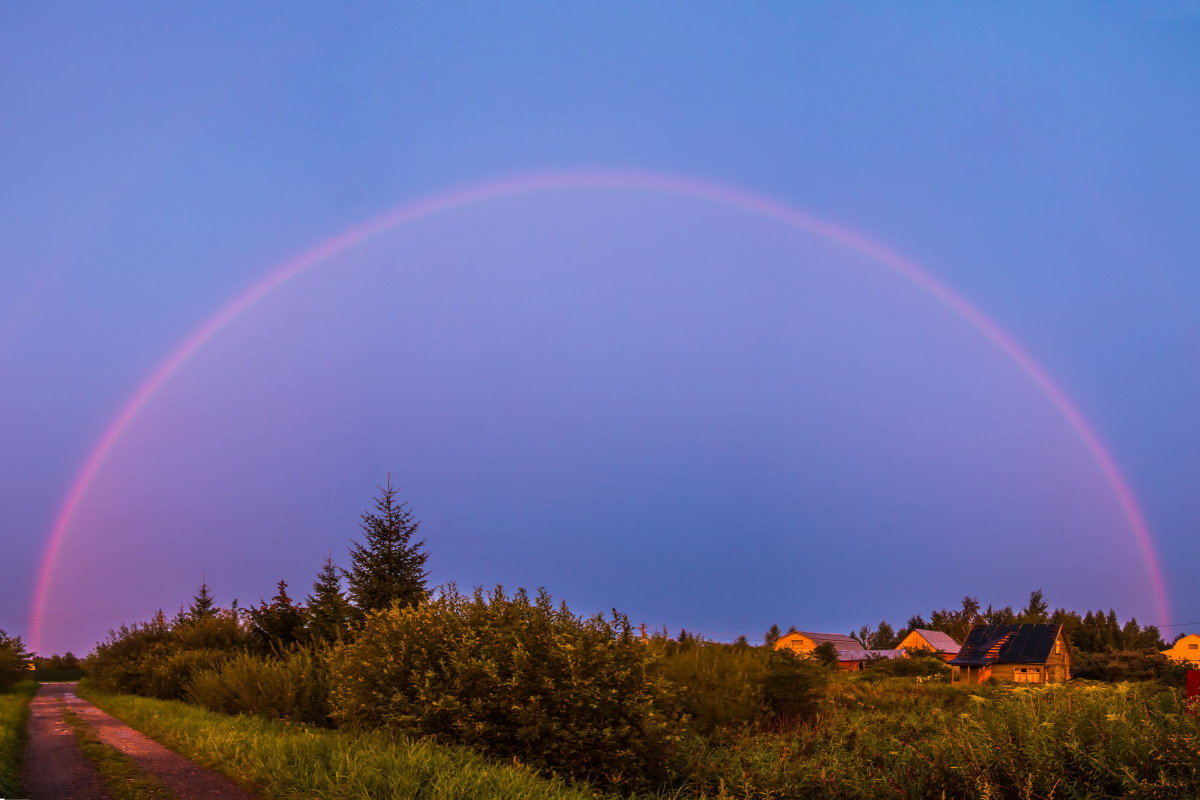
159 658
516 677
920 663
14 660
901 738
388 567
826 653
1129 665
327 611
793 685
718 685
298 761
290 686
882 637
277 624
14 713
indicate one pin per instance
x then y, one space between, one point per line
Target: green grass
291 761
898 738
14 713
120 773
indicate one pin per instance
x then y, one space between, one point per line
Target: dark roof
942 641
1007 644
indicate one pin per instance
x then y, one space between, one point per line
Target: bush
718 684
1128 665
919 664
794 685
515 677
160 658
290 686
14 660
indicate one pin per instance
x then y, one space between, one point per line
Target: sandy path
186 779
54 767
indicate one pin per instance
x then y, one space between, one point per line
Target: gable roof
840 642
943 642
1007 644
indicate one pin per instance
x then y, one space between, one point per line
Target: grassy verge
288 761
121 775
14 713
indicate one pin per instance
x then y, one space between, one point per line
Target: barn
1016 653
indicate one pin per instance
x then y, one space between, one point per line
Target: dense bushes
290 686
14 661
1127 665
517 677
159 658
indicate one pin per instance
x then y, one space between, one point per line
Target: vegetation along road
76 750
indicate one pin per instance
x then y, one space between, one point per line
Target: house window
1057 646
1194 647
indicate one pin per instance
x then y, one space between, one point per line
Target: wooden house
941 643
802 642
850 653
1186 650
1017 653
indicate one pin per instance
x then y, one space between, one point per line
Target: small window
1194 647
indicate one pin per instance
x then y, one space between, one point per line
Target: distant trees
388 567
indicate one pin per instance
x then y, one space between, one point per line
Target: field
286 760
890 738
14 710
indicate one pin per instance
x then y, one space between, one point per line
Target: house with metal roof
1017 653
941 643
802 642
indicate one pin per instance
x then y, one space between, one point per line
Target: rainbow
625 180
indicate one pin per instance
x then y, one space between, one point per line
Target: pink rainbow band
649 182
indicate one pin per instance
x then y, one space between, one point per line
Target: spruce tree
388 567
771 636
328 609
203 606
277 624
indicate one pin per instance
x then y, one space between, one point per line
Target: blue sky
699 417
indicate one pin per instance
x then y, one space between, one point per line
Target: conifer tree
771 636
203 606
328 609
279 623
388 567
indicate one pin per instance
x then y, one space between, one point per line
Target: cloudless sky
704 418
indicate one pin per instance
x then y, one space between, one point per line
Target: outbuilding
1016 653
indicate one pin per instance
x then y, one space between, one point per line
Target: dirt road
55 769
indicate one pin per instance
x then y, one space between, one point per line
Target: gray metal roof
869 655
839 641
944 642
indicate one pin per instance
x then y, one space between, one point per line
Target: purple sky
700 416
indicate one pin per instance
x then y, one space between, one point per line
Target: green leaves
517 677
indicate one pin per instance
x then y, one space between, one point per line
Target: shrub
513 676
920 663
1128 665
159 658
14 660
290 686
718 684
794 685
